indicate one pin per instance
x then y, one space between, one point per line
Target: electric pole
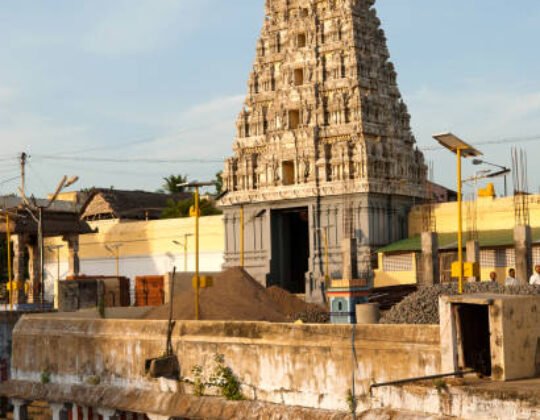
23 158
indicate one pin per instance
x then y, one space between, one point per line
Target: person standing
511 279
493 276
535 278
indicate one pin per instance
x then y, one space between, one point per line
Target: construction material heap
422 307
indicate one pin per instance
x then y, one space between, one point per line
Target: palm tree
171 184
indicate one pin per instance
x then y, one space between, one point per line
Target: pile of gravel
422 307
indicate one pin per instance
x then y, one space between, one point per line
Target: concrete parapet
297 365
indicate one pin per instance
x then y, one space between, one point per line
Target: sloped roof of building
448 241
122 204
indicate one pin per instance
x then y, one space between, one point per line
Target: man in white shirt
535 278
511 279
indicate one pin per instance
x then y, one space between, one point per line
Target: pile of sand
235 296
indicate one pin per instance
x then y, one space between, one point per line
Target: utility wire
5 181
124 160
509 140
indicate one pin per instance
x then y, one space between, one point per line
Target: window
298 77
304 12
288 172
294 119
301 40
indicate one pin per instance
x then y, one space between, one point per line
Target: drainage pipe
419 378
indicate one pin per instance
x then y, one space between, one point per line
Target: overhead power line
508 140
123 160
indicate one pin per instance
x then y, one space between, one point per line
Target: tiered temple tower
324 149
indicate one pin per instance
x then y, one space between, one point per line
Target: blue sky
164 79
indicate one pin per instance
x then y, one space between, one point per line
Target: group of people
511 280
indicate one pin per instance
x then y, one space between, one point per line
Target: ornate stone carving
322 94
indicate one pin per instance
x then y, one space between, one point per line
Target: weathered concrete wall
514 326
7 323
463 399
303 365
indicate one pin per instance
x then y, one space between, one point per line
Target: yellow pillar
460 223
10 278
197 282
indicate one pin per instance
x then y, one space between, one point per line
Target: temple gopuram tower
324 149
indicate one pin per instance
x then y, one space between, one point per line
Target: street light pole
504 171
460 220
33 207
184 245
114 249
10 279
461 149
196 214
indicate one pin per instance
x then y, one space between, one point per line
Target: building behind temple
324 148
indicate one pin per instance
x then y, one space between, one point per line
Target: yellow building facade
143 247
492 218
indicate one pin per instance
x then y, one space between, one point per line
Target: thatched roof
121 204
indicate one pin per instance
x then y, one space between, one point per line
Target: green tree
219 182
171 184
176 209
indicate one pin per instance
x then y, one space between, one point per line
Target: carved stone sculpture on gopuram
324 157
324 115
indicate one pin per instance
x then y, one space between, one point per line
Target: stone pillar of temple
350 265
473 255
59 411
430 260
20 409
523 250
73 250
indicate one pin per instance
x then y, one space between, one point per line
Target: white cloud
481 114
7 94
477 114
204 130
137 26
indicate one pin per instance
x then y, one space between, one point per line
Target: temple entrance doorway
290 248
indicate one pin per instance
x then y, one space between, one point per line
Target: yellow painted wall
145 237
394 278
492 214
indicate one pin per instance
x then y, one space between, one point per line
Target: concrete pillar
107 413
85 412
20 409
523 250
157 417
473 255
34 269
59 411
73 250
430 260
19 268
75 412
